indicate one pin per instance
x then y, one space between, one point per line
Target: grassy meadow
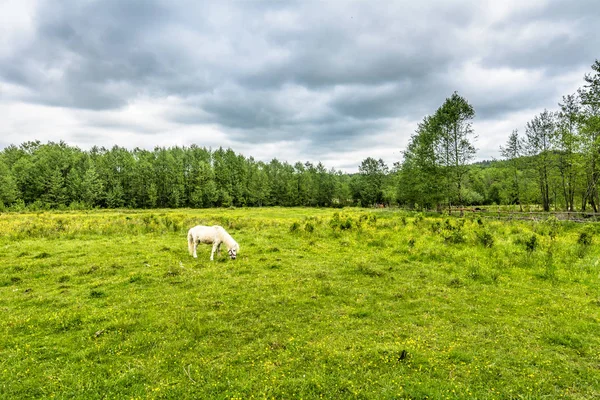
321 303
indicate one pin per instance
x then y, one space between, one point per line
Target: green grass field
320 303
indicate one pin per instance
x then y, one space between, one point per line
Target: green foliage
58 175
485 238
455 236
435 163
9 191
371 177
309 227
585 239
295 227
532 243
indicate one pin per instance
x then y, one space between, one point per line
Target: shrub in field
347 224
334 222
455 283
452 233
583 243
532 243
485 238
295 227
368 218
309 227
585 239
418 219
448 225
344 223
456 236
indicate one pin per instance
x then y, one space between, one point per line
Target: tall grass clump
453 233
485 238
585 239
309 227
531 243
344 222
584 242
295 227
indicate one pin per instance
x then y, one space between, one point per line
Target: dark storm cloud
93 55
325 73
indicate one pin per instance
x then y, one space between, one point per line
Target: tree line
55 175
555 164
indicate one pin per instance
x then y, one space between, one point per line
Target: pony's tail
191 243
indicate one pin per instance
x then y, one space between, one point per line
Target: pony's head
232 253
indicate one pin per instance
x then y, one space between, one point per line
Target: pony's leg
212 254
195 248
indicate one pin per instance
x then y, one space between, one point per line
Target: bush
418 218
347 224
486 239
368 218
295 227
455 236
532 243
309 227
585 239
335 220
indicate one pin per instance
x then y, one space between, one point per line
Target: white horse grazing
214 235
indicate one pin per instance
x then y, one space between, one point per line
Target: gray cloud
327 74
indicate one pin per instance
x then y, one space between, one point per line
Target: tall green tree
421 179
590 134
567 143
372 174
539 136
258 189
9 192
512 152
455 148
55 193
92 188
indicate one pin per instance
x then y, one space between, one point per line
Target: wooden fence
497 213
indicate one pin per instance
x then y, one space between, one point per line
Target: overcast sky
330 81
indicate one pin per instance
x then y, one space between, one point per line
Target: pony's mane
227 239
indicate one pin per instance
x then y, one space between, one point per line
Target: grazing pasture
373 304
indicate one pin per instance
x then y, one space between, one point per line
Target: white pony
214 235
